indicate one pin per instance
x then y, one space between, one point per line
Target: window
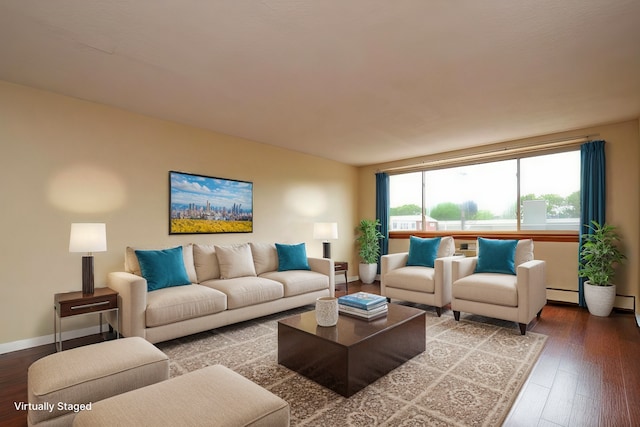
484 197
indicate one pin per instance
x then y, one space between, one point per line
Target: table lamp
88 237
325 231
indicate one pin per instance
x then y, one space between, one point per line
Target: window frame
536 235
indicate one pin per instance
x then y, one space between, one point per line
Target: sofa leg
539 313
523 328
439 311
456 315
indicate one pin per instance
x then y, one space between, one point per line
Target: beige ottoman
59 384
213 396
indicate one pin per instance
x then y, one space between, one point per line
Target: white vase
367 272
327 311
600 299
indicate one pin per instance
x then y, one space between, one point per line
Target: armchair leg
523 328
439 311
539 313
456 315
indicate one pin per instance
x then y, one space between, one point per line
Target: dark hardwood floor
588 373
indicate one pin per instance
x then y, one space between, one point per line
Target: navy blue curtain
592 194
382 211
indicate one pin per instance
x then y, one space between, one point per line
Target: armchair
480 288
419 283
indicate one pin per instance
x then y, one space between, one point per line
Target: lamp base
326 249
87 275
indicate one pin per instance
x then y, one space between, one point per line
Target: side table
342 267
103 300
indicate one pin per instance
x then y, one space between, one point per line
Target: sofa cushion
412 278
163 268
265 257
292 257
205 261
170 305
246 291
496 256
131 264
490 288
423 252
297 282
235 261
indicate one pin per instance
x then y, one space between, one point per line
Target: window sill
538 236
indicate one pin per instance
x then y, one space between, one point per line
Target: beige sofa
229 284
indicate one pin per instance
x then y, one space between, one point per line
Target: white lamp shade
88 237
325 230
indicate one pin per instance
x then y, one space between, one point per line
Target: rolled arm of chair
324 266
462 267
532 288
132 299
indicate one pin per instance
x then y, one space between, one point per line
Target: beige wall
65 160
623 209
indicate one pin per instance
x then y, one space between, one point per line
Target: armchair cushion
496 256
412 278
490 288
423 252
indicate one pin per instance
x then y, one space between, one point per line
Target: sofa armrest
462 267
532 288
132 300
326 267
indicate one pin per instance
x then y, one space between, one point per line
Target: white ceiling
358 81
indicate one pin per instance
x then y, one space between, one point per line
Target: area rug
469 375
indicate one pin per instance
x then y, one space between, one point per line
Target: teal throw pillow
292 257
423 252
496 256
163 268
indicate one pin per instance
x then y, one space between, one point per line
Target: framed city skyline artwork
200 204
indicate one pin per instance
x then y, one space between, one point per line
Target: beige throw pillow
524 251
447 247
235 261
265 257
206 262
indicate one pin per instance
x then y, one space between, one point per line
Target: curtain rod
496 153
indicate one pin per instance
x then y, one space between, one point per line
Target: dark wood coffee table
351 355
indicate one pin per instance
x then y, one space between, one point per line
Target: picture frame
200 204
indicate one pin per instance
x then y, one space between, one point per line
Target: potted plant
599 257
368 241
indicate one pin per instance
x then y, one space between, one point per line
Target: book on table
364 314
363 300
346 309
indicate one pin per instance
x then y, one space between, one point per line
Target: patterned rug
469 375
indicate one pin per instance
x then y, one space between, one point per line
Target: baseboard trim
49 339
